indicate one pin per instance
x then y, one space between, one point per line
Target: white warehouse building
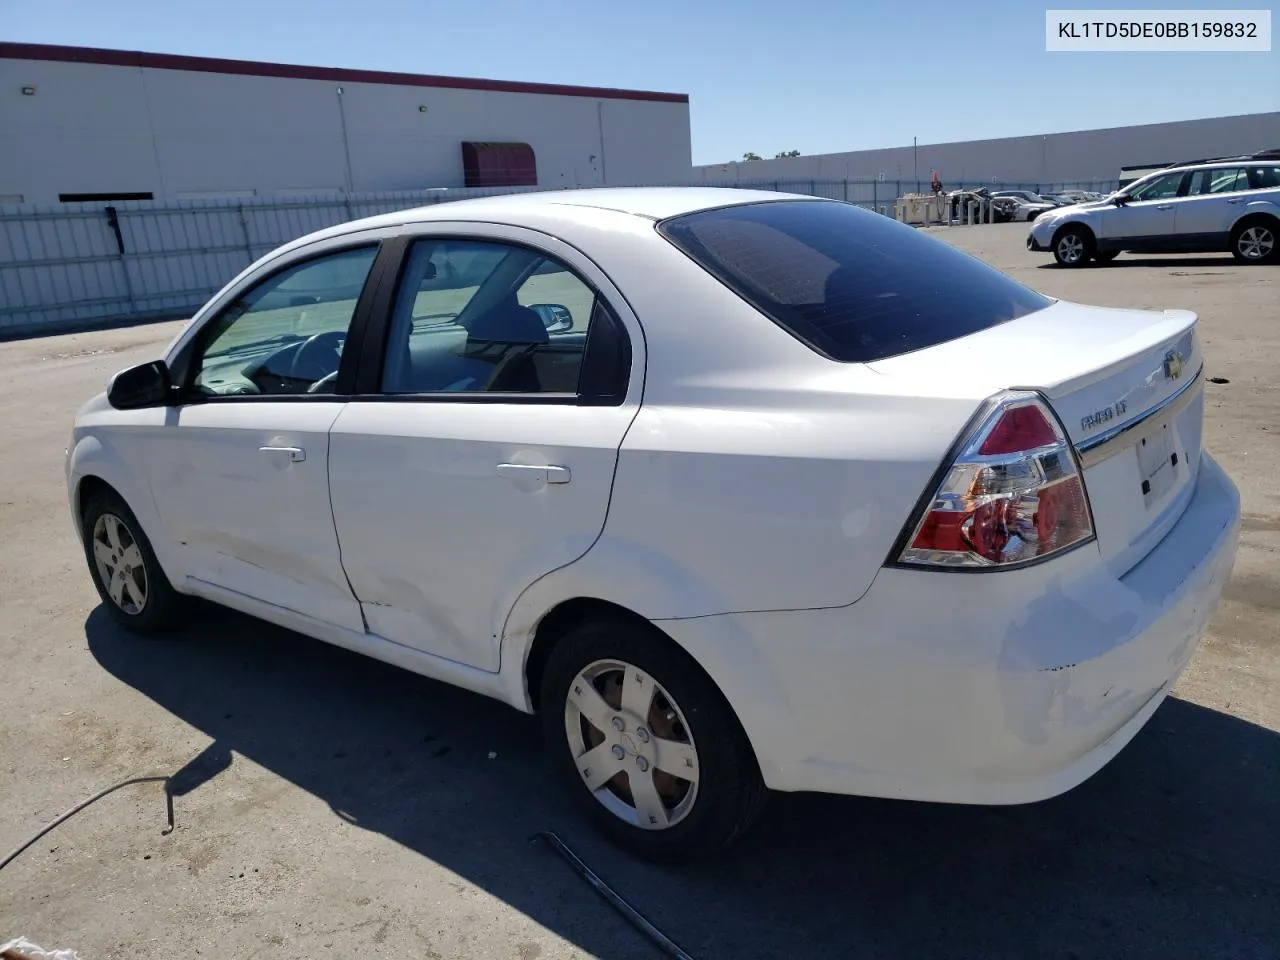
80 124
1081 155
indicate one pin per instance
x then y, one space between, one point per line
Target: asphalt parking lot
330 805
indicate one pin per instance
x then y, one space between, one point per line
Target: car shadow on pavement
1166 263
1170 851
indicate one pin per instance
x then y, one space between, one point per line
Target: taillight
1012 495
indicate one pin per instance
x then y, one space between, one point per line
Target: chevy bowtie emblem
1172 365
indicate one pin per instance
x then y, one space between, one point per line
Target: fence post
846 190
244 228
113 221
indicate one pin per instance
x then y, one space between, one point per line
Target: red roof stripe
252 68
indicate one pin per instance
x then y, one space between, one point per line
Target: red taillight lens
1014 494
1022 428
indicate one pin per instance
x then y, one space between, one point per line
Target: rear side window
853 285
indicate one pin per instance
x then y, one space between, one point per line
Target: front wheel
1073 247
1254 242
129 580
647 744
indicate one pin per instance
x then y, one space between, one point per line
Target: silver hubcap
631 744
1256 243
1071 248
119 561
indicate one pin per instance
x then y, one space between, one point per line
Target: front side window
285 335
852 284
475 316
1161 188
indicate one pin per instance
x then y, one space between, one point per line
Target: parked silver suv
1201 207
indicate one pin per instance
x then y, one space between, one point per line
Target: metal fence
72 265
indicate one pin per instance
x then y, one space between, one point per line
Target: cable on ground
168 795
634 916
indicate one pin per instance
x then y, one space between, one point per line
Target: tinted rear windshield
854 285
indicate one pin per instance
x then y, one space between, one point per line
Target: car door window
1262 178
475 316
1217 180
285 335
1161 188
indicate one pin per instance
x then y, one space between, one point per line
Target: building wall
178 133
1055 157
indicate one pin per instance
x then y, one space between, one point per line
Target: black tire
1073 246
1105 256
1256 240
730 793
160 605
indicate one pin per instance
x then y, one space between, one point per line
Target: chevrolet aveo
739 491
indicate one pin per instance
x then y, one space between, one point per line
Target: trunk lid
1128 388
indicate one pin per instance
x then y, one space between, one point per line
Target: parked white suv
1191 208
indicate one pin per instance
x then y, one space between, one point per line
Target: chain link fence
72 266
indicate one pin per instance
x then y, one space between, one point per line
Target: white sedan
738 490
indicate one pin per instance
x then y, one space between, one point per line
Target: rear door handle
1236 200
293 454
545 472
1164 206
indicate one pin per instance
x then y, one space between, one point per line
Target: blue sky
817 76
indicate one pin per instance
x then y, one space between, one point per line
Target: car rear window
853 285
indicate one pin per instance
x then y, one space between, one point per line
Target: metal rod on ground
84 803
637 919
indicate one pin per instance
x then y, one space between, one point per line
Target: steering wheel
324 383
318 356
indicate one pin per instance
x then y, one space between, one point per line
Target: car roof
533 207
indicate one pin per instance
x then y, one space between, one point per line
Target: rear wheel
646 742
1073 246
133 588
1255 241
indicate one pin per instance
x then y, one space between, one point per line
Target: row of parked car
1027 204
1003 206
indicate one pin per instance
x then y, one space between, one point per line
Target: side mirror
1120 199
146 385
555 317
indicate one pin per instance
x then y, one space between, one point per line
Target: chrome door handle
1164 206
294 454
1236 200
545 472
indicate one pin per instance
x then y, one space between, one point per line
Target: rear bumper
989 688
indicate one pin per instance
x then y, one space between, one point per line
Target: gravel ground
334 806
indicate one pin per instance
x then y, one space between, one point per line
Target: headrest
509 323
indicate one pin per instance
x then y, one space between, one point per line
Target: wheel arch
89 486
555 624
732 689
1073 223
1249 215
97 467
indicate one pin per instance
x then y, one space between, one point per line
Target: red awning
499 165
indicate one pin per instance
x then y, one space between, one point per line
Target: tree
751 156
787 153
